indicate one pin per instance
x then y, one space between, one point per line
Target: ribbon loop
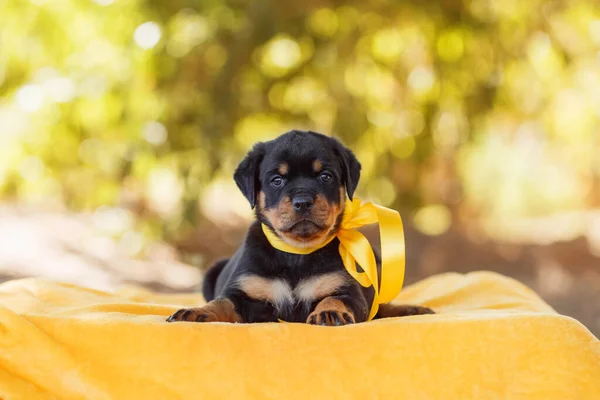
355 248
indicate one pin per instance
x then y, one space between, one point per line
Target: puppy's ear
246 174
350 167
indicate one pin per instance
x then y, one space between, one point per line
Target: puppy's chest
285 293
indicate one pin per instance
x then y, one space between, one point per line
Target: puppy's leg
218 310
337 310
393 310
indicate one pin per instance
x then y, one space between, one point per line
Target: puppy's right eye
277 181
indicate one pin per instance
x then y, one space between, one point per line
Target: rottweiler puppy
297 184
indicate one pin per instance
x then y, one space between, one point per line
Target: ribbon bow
355 248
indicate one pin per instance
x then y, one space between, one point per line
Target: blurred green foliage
456 109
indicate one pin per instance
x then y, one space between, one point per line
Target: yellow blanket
493 339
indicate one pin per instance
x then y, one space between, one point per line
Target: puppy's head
298 184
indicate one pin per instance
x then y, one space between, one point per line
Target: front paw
218 310
193 315
389 310
330 318
417 310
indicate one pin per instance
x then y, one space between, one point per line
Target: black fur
210 279
350 166
246 174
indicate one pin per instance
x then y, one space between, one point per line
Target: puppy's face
298 183
301 198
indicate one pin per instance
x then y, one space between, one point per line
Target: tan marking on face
283 169
275 291
317 166
303 243
320 214
324 213
340 207
281 216
262 200
329 212
318 287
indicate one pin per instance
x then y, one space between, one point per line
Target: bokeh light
147 35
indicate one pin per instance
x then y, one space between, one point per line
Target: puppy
298 185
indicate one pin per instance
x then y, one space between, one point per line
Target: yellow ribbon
355 248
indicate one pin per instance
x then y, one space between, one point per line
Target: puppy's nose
302 203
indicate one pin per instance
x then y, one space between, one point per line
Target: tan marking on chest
320 286
275 291
279 292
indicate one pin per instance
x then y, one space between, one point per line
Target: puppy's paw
194 315
219 310
405 311
330 318
418 310
399 310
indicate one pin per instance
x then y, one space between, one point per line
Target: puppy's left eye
325 177
277 181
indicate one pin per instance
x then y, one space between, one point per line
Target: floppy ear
246 174
350 167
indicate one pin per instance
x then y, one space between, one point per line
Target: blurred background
121 122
